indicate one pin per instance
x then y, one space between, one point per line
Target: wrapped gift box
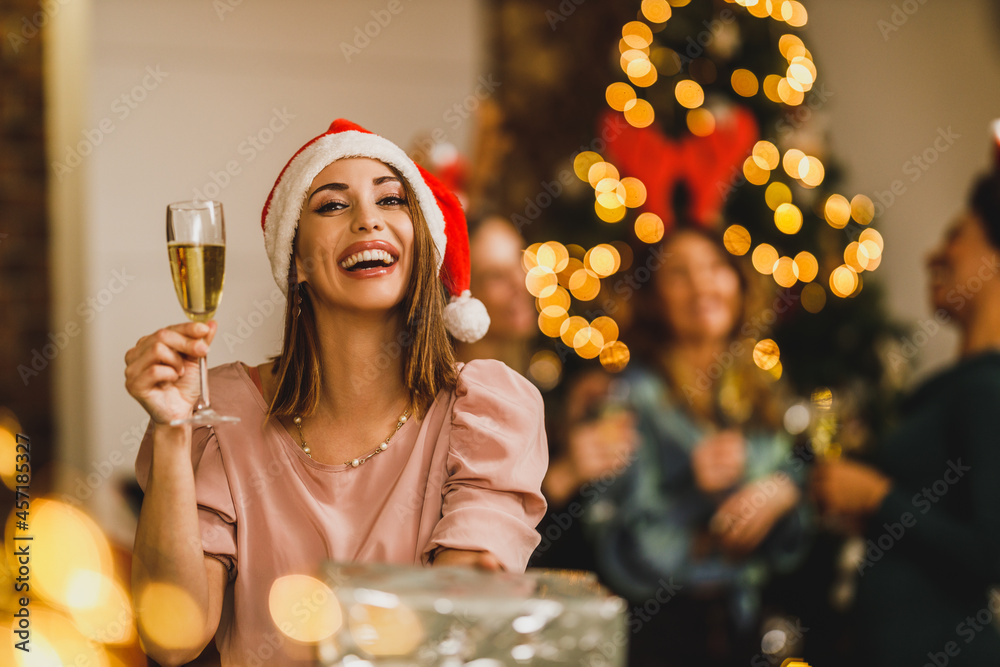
449 616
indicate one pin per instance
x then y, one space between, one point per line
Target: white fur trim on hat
291 190
466 318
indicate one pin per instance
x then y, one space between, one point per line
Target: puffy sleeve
497 457
216 511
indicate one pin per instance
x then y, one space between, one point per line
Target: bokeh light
635 192
766 354
610 193
744 83
101 609
862 209
642 73
736 239
550 320
601 171
789 94
608 328
689 94
588 342
764 258
798 16
856 257
807 266
610 215
602 259
615 356
701 122
785 272
656 11
837 211
572 266
811 171
529 258
843 281
777 193
754 173
585 285
639 113
788 218
618 94
637 34
790 163
9 428
570 328
545 369
304 608
649 227
585 160
55 640
169 616
55 524
560 297
385 631
786 42
796 420
766 155
771 88
541 281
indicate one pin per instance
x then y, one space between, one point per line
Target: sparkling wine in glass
196 244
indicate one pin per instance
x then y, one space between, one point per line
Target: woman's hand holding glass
848 489
743 519
718 461
161 371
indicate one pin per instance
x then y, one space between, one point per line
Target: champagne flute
196 243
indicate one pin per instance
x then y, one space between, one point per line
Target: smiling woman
362 440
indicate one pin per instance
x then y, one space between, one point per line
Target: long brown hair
427 349
650 333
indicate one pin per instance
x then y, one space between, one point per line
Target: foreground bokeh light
385 630
304 608
55 526
55 641
170 617
9 428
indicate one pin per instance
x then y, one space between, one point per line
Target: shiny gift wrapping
449 616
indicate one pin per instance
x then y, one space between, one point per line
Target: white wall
221 75
891 92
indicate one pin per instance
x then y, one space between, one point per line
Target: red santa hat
465 317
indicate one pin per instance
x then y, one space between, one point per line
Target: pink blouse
465 476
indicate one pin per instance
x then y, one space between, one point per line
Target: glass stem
203 370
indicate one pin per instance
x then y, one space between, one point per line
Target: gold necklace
354 463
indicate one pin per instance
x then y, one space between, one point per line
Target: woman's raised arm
162 374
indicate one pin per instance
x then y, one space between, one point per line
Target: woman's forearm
168 542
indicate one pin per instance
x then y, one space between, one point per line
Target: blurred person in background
710 505
496 248
930 503
699 503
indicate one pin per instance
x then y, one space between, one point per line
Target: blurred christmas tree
626 116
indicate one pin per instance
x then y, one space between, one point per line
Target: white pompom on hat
465 316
